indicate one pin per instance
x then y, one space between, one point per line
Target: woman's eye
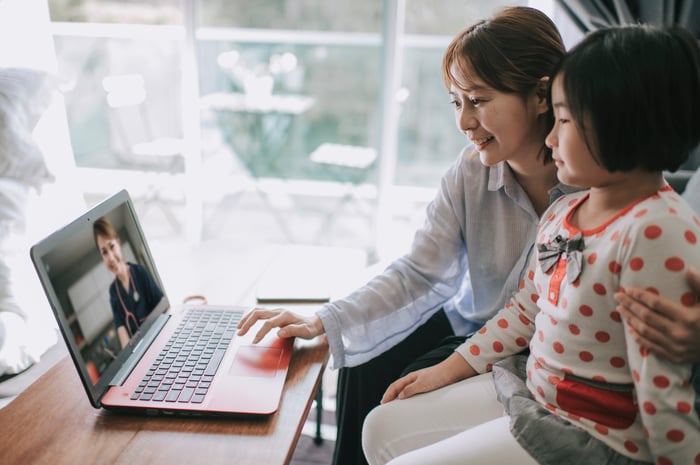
475 101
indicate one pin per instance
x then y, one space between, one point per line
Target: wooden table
53 423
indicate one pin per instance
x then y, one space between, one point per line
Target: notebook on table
180 359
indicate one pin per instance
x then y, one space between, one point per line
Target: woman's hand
290 323
667 328
454 368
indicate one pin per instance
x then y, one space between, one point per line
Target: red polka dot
617 362
553 380
564 303
540 391
498 346
572 202
521 342
602 336
601 429
661 381
540 336
631 446
553 321
614 267
592 258
522 284
653 290
558 347
503 323
674 264
531 275
576 283
636 264
664 461
523 319
688 299
649 408
684 407
640 213
643 351
585 310
615 316
539 288
585 356
575 330
614 236
551 217
599 289
534 297
599 378
675 435
474 350
690 237
652 232
489 366
635 375
482 330
627 241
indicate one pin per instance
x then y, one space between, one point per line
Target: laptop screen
103 287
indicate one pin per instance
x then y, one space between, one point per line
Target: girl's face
576 165
502 126
111 253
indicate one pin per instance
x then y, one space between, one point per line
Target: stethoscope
128 315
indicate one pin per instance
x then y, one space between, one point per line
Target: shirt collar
500 176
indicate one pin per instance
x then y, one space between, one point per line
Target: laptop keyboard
185 367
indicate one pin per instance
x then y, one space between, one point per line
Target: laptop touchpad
256 361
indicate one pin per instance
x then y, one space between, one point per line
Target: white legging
459 424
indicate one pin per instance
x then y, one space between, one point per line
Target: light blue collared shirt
467 258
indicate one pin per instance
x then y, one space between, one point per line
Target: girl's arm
665 394
663 325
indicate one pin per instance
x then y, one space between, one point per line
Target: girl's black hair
634 91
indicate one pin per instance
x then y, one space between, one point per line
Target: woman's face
576 165
111 253
502 126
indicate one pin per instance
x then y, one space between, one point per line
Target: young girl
627 106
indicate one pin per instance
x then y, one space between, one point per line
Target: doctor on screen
133 294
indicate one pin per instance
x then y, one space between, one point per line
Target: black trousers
361 388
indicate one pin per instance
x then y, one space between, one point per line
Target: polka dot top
584 365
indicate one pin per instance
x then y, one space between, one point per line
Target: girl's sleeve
657 259
510 330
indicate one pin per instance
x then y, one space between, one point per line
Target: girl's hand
454 368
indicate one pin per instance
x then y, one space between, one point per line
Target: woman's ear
542 93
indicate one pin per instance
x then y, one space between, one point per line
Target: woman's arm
665 327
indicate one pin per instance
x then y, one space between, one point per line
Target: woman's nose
467 121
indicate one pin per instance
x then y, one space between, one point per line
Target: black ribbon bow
549 253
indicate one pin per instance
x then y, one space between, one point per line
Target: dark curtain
590 15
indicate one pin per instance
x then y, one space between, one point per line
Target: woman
133 294
467 258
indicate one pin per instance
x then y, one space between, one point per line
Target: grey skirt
549 439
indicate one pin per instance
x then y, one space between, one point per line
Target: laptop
133 350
